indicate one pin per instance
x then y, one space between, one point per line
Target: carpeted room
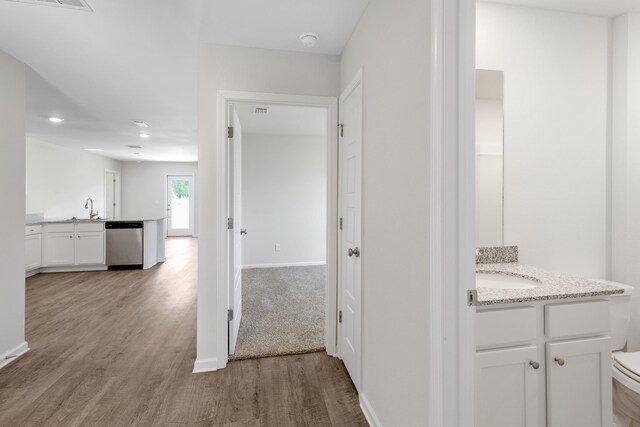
283 224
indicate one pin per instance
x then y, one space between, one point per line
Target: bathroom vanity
543 350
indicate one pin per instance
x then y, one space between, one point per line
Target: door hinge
472 297
230 314
340 316
230 132
229 223
341 129
340 223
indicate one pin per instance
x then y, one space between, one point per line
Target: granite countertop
87 220
552 286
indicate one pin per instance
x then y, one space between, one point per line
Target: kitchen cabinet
576 373
507 387
73 244
33 247
544 365
89 248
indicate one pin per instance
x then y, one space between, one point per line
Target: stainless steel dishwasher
124 244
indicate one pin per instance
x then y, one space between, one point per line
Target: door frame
222 281
451 399
116 194
192 202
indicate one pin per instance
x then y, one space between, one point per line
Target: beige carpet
282 311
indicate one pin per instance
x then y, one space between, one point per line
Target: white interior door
235 232
351 234
180 203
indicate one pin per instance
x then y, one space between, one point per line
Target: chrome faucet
86 206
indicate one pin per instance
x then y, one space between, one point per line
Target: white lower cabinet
33 252
67 245
507 388
90 248
553 375
579 383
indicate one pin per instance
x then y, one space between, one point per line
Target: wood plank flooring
117 348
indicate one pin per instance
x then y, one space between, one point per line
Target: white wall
555 102
144 187
60 180
243 69
12 173
391 44
489 172
625 161
284 199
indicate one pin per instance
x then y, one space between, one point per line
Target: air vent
260 110
69 4
134 146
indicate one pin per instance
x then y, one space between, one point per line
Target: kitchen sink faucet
86 206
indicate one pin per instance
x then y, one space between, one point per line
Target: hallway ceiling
136 60
606 8
283 120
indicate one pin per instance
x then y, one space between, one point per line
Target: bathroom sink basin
504 281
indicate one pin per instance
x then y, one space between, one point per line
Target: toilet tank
620 315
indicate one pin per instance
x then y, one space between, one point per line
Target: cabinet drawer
580 318
32 229
80 228
59 228
506 326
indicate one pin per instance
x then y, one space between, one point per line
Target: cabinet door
579 383
33 252
59 249
90 248
507 387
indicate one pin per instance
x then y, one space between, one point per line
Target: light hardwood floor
117 348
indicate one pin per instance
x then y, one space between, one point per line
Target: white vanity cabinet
33 247
544 364
73 244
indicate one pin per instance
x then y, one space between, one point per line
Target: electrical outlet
277 247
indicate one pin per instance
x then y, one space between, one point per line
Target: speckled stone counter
552 286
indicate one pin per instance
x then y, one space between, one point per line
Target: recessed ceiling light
56 119
134 146
309 39
141 124
144 135
93 149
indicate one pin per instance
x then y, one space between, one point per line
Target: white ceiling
283 120
136 60
607 8
277 24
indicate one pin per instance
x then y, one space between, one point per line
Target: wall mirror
489 158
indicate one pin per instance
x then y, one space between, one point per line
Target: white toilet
626 366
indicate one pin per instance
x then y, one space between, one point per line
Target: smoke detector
260 110
308 39
69 4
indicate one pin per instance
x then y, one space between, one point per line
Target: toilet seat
626 370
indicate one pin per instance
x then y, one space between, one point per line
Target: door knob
559 360
243 231
534 365
354 252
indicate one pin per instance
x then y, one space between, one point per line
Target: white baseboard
13 354
285 264
73 268
205 365
368 412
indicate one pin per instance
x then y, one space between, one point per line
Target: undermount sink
504 281
83 219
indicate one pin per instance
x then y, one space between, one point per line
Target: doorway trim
116 196
331 288
452 213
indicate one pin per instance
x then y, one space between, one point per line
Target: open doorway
277 198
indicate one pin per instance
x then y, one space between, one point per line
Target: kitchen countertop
87 220
553 286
